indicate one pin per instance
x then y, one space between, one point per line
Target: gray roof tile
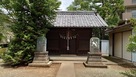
79 19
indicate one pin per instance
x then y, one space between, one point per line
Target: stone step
40 58
35 64
38 61
95 65
94 56
60 58
95 60
41 53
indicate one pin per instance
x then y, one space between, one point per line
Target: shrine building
72 31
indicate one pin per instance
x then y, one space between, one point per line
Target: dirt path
30 71
111 71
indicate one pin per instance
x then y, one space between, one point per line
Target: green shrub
15 58
2 50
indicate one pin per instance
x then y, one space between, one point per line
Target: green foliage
76 5
1 36
131 73
132 39
79 5
110 10
9 59
31 18
2 51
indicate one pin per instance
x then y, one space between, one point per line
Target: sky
65 4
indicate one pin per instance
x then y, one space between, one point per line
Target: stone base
41 59
48 64
94 60
95 65
41 56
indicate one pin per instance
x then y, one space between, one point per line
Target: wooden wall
79 45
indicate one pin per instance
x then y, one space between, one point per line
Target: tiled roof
79 19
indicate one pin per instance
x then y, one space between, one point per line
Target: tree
109 10
79 5
31 18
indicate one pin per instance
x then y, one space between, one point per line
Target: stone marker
41 44
94 55
41 57
94 45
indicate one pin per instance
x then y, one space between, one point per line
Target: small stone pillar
94 55
41 57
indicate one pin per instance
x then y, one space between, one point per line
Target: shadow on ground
121 62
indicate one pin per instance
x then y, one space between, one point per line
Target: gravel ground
111 71
29 71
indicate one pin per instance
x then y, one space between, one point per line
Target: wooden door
72 47
63 46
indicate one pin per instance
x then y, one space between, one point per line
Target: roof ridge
75 12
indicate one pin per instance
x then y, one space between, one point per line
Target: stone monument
41 44
41 57
95 45
94 54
